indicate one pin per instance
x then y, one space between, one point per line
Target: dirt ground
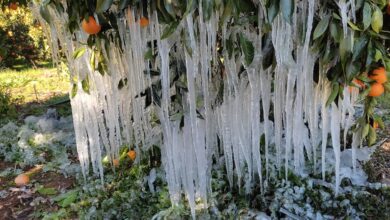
378 167
20 202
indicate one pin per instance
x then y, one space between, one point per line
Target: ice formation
209 121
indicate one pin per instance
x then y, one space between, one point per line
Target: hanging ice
220 116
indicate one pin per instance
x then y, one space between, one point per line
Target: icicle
353 10
255 122
325 122
265 80
355 144
343 6
110 117
335 132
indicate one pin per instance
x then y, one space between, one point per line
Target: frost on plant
185 110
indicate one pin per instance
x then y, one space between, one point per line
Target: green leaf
92 61
207 8
185 42
47 191
66 199
227 11
74 90
79 52
378 55
273 10
335 31
365 130
85 84
103 5
190 7
366 15
344 48
371 136
169 30
287 7
44 13
243 6
148 55
359 47
353 26
177 116
370 54
321 27
377 20
333 95
247 49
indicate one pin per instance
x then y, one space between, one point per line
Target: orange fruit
375 125
143 22
376 90
22 180
360 84
90 26
13 6
115 162
132 154
379 75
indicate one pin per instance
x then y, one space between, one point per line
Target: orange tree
348 64
21 36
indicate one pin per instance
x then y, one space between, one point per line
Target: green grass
31 91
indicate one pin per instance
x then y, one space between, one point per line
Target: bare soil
18 202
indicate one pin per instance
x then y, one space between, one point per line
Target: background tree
21 38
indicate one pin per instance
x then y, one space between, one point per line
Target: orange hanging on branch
115 162
143 22
375 125
379 75
132 154
376 90
90 26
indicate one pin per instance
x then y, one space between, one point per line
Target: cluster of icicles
109 117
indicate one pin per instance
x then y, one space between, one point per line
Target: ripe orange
13 6
115 162
375 125
132 154
376 90
90 26
379 75
143 22
22 180
360 84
